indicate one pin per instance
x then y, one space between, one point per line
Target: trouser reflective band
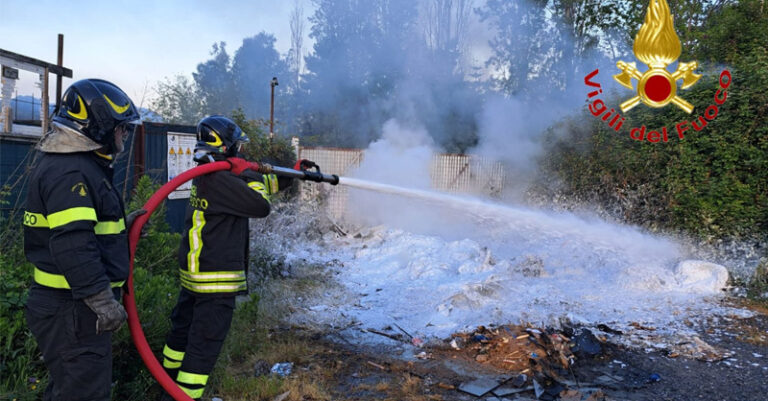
192 383
59 281
172 358
214 282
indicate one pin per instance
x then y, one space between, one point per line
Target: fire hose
237 166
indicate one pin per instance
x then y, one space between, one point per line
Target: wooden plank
26 63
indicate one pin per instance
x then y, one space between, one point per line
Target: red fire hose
129 300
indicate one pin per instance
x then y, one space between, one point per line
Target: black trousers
79 361
199 325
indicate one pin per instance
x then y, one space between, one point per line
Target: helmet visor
128 127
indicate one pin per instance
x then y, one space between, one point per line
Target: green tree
215 82
178 100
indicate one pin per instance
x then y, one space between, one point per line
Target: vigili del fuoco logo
657 46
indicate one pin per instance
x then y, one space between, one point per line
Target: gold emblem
657 45
80 188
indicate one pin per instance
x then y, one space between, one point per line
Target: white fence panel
448 172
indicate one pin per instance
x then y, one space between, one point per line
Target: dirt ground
566 368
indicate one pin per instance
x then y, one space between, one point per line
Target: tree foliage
713 182
178 101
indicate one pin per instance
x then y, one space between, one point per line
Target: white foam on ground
440 263
508 273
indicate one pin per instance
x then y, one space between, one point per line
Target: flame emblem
657 45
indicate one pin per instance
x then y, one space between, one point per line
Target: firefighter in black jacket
213 255
75 236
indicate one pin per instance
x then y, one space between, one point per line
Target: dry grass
307 387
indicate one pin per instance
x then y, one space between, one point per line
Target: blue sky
136 43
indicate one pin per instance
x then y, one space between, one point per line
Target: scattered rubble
282 369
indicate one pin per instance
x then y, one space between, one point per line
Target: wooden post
44 102
60 62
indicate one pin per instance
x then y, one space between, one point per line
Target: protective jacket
74 225
214 250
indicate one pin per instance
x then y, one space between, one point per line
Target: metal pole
272 114
60 63
272 83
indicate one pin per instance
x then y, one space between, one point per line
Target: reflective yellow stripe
50 280
213 276
271 183
197 393
35 220
172 353
261 189
167 363
102 227
214 288
192 378
70 215
257 186
59 281
195 240
109 227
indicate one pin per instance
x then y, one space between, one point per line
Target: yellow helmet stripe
118 109
82 114
218 141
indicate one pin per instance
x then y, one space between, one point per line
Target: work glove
131 217
304 164
110 314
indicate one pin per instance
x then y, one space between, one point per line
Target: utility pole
272 83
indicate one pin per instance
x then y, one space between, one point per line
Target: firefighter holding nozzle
213 255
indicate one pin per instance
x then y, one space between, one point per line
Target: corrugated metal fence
448 172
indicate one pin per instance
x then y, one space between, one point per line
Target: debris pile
518 349
540 359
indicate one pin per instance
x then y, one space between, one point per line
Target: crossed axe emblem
657 87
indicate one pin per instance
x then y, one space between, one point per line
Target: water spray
235 165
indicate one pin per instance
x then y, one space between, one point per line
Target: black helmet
219 137
96 107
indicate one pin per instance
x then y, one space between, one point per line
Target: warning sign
180 159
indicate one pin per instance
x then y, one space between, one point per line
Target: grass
253 339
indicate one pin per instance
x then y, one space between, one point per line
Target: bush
277 150
22 373
710 184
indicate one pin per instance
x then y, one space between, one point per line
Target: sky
135 44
